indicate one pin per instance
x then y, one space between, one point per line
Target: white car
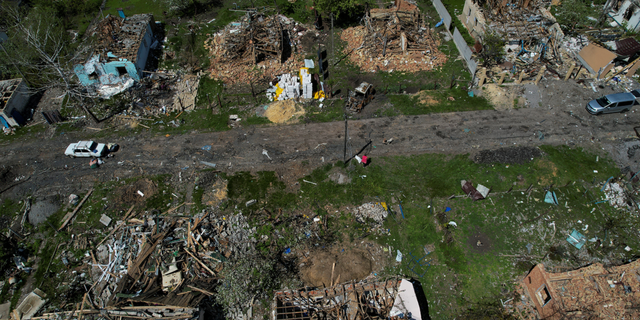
86 149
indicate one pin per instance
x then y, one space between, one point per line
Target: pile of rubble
371 211
393 39
270 43
592 292
615 194
161 266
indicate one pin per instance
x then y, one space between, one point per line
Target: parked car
86 149
611 103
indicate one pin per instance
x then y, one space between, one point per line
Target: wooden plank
201 290
117 227
200 262
70 215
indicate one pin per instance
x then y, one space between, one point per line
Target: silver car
611 103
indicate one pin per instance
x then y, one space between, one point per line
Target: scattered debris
576 239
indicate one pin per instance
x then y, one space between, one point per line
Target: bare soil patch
352 262
479 242
283 111
426 99
504 97
129 194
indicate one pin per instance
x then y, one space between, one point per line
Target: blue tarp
550 197
577 239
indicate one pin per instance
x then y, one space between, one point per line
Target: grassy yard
516 228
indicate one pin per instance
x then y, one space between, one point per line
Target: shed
14 96
596 59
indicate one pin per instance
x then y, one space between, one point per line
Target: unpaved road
561 119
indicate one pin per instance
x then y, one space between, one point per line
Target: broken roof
121 37
595 57
7 87
627 47
390 299
592 292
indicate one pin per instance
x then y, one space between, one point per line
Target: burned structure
393 39
120 51
14 97
592 292
368 299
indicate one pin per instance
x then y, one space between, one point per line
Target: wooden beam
70 215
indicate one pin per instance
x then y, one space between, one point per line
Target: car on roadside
86 149
612 103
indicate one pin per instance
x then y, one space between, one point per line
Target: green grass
410 105
23 133
131 7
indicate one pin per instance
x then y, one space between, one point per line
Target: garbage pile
371 211
269 42
393 39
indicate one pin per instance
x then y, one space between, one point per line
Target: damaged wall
628 14
121 52
473 19
14 96
592 292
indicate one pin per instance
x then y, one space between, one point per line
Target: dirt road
561 119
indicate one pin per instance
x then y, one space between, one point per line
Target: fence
461 44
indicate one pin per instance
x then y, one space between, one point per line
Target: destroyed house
592 292
368 299
120 52
14 97
625 14
515 21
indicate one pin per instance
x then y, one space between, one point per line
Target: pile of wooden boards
268 42
393 39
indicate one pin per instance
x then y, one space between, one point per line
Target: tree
492 49
338 6
40 47
572 14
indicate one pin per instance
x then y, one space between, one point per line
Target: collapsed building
368 299
396 38
119 54
14 96
255 40
517 22
592 292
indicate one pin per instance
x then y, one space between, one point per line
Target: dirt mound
510 155
426 99
283 111
351 264
129 194
503 98
217 194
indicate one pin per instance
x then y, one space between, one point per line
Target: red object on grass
364 160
